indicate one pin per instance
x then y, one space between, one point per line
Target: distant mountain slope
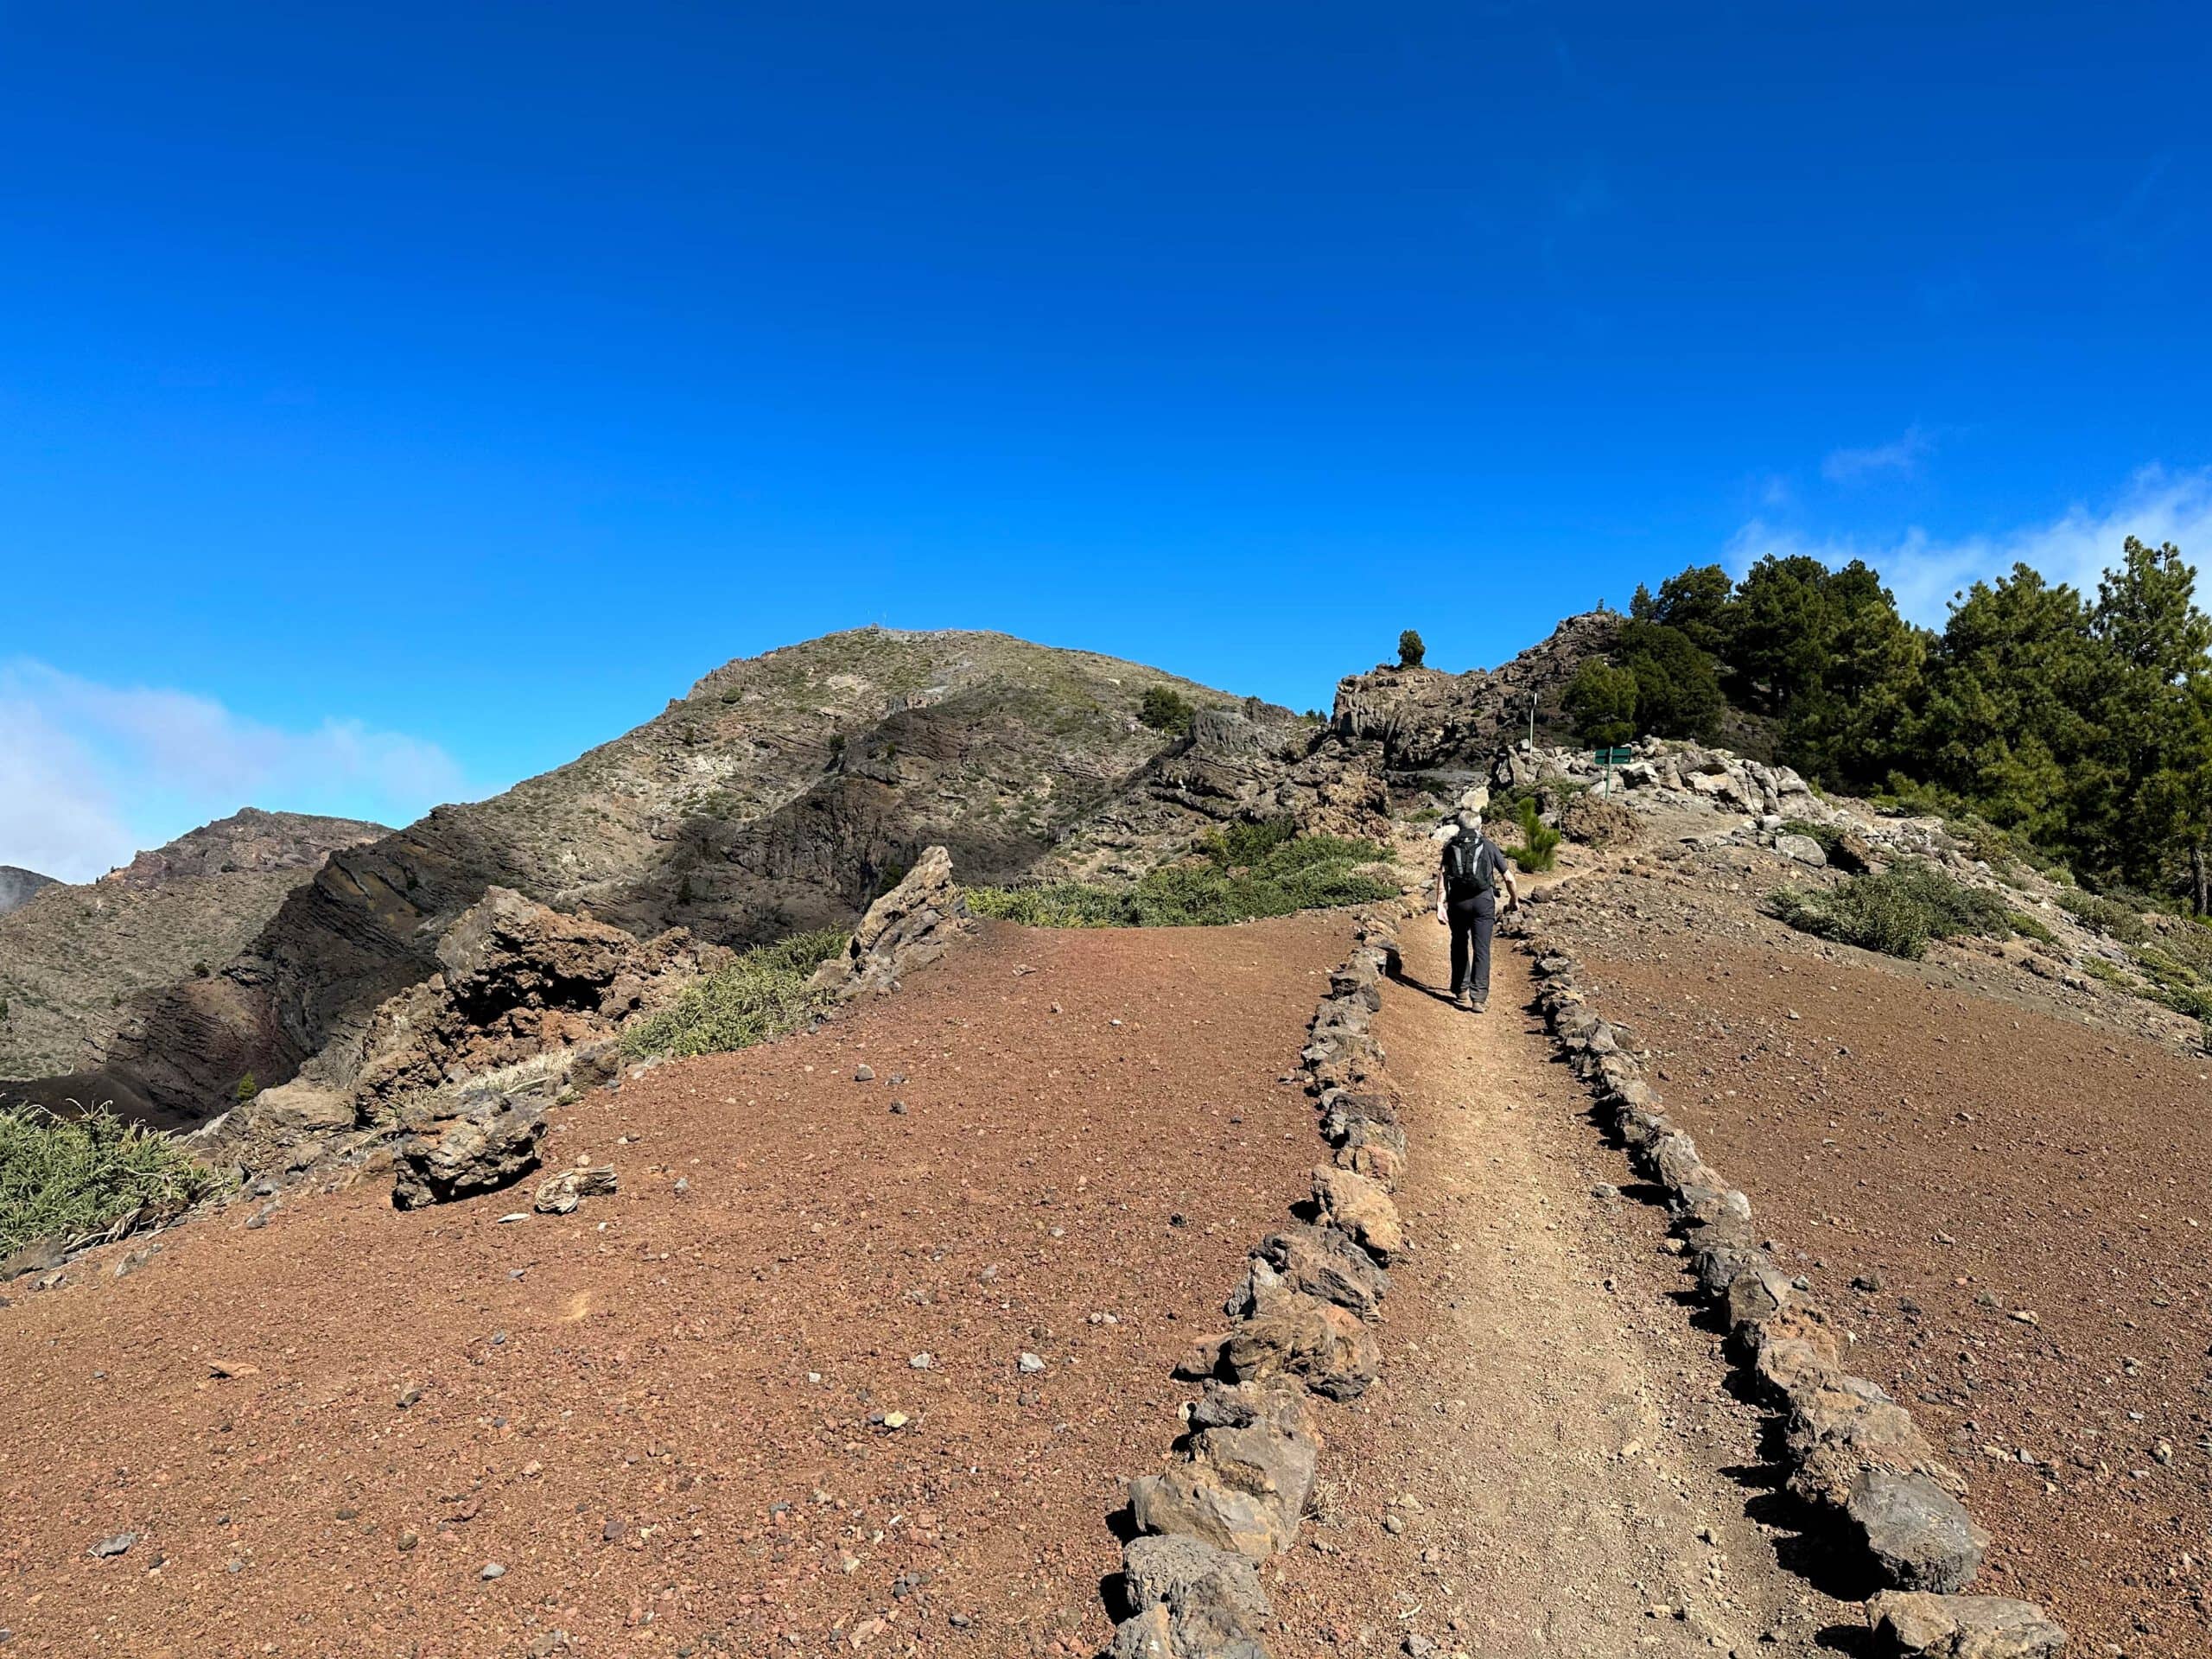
783 792
72 956
17 885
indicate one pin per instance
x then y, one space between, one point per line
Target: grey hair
1468 818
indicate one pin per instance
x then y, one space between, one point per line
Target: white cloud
1923 571
1902 455
89 773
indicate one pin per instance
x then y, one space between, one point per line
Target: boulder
277 1127
476 1136
1919 1535
1302 1336
1203 1633
1191 1501
1271 1403
1321 1261
1182 1575
1802 848
913 923
1361 1210
1918 1622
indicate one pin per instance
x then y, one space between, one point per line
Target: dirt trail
1578 1477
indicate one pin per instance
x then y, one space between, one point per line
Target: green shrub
73 1178
1896 913
2177 984
1411 651
1248 871
762 995
1166 710
2098 967
2106 916
2028 928
1538 847
247 1089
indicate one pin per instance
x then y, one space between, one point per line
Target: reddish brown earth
2024 1203
662 1415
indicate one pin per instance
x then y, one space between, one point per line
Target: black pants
1472 921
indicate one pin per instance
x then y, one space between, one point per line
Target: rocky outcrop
915 923
1236 1485
1429 721
1855 1454
518 984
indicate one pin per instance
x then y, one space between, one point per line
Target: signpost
1609 758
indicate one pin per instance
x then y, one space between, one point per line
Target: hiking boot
1460 999
1476 1004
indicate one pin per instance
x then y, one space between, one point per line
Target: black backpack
1466 868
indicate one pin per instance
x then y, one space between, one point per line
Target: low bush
2177 984
2028 928
1248 871
2106 915
1896 913
2098 967
75 1178
1538 847
762 995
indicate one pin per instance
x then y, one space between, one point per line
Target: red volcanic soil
2011 1211
688 1418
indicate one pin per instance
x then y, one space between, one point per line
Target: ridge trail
1579 1476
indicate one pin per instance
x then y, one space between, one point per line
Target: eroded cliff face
785 791
72 957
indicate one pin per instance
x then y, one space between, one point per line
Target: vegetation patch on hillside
763 993
74 1178
1898 912
1244 873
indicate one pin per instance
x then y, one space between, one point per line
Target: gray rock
1962 1627
914 923
1201 1602
1803 848
114 1545
493 1145
1920 1537
1322 1262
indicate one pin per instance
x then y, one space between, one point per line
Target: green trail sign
1609 758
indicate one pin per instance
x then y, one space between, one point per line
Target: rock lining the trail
1236 1489
1855 1454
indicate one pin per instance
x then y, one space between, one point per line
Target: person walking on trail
1467 886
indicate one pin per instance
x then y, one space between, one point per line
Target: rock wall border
1854 1454
1236 1487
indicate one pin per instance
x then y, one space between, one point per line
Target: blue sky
396 399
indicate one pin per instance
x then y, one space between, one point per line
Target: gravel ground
694 1419
1552 1463
2006 1199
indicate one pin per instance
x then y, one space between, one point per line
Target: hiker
1466 902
